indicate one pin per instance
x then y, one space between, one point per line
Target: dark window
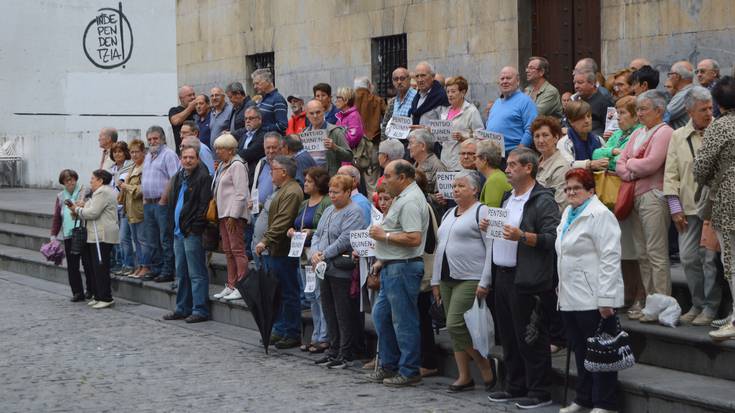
388 53
260 61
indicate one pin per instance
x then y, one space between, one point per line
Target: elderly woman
421 148
122 257
316 186
590 284
714 166
131 198
464 116
331 244
642 161
628 123
348 116
388 150
552 166
230 191
461 274
100 212
579 143
488 160
61 226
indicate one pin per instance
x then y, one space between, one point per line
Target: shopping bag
480 324
607 186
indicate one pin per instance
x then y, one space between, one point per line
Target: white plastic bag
664 307
480 324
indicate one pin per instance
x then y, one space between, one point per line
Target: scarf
583 149
436 97
67 221
574 213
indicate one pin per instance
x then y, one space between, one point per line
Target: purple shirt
157 171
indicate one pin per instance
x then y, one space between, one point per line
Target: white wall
51 87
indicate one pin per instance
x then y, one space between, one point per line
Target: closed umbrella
262 294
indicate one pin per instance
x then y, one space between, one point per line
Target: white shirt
505 252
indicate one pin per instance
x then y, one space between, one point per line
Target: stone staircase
679 370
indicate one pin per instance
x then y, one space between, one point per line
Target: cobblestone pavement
58 356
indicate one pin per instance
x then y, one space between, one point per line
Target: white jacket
588 260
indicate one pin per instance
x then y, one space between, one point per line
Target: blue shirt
304 161
365 207
204 130
265 183
275 112
219 122
205 156
512 117
179 207
401 108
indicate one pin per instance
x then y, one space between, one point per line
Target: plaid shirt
402 108
157 171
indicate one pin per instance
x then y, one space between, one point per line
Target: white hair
362 82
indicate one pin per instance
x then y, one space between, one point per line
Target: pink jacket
352 122
231 190
648 171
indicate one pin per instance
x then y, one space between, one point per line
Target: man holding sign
333 149
524 262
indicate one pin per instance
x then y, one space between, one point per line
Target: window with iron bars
259 61
388 53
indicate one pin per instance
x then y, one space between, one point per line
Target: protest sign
362 244
611 120
297 244
441 129
498 217
313 140
445 184
482 134
398 127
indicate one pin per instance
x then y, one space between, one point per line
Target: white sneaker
574 408
598 410
103 304
723 333
226 291
92 302
234 295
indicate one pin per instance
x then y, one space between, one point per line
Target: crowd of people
566 260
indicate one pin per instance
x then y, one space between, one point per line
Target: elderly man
239 100
106 138
400 104
281 214
323 93
272 105
336 149
588 64
681 76
159 166
524 262
357 197
294 148
297 122
389 150
638 63
190 192
185 111
420 144
544 94
250 138
399 247
221 113
644 79
190 139
202 118
585 84
512 114
708 73
431 94
700 264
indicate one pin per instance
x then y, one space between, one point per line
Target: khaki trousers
650 219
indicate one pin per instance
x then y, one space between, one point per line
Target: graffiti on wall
108 38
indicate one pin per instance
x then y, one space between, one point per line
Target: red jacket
296 124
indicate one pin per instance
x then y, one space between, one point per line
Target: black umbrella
262 294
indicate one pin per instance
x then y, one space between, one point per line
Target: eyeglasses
573 189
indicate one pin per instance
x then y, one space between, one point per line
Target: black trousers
528 366
102 290
593 389
338 308
428 345
72 269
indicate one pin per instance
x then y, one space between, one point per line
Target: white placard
362 244
611 120
376 217
445 184
256 201
310 284
482 134
297 244
498 217
398 127
441 129
313 140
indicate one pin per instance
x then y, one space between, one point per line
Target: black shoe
88 295
149 277
502 397
338 363
287 343
196 318
77 298
174 316
462 387
324 361
164 279
527 403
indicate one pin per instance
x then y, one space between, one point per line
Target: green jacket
548 100
617 140
342 151
282 212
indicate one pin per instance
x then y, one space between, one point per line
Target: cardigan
101 215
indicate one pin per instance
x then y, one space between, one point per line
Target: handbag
607 187
362 154
78 238
626 194
608 353
212 211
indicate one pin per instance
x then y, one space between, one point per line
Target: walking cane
566 376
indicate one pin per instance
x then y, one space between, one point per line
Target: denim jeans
288 321
320 333
137 233
192 277
158 238
396 317
125 255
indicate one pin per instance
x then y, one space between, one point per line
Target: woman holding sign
462 272
316 186
331 244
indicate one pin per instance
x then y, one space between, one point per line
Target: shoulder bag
78 238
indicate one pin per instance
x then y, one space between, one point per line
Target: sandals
318 348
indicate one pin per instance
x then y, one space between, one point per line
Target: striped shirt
275 112
157 171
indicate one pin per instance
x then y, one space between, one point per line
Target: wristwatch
523 238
